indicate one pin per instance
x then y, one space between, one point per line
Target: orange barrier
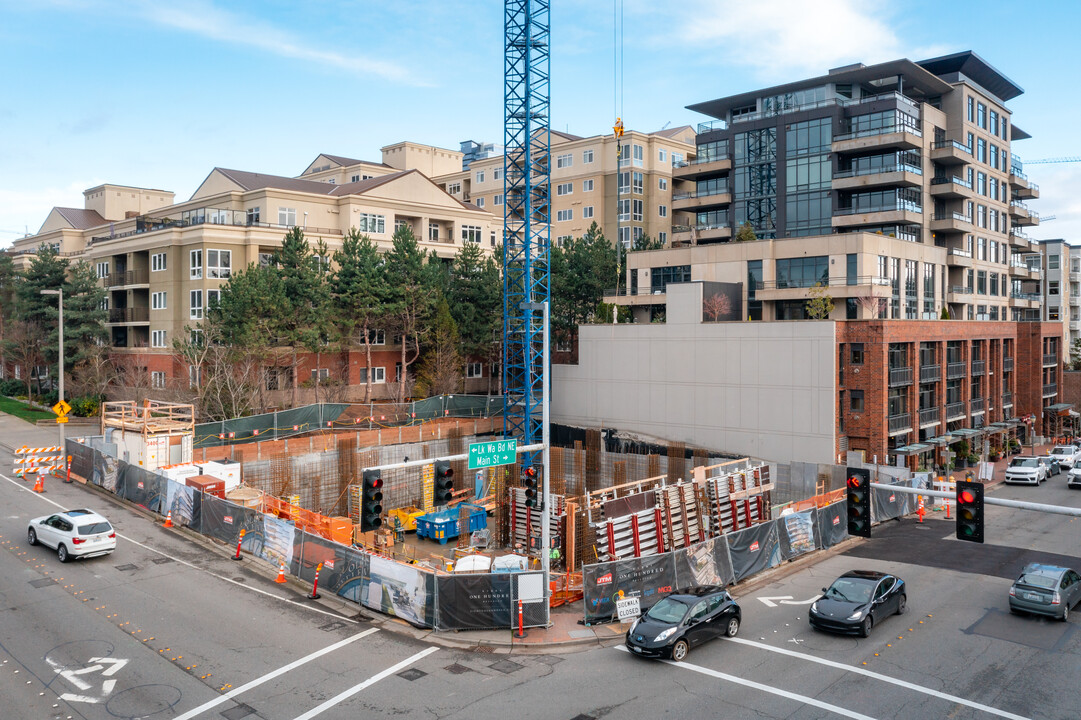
565 588
338 529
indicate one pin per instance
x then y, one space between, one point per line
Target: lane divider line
804 699
367 683
883 678
273 674
295 603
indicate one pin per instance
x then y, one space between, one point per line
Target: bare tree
24 348
716 306
95 374
876 306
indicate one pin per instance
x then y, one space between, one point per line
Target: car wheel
733 627
31 537
679 650
62 553
901 605
1065 613
865 626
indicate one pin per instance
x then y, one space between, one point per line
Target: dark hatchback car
683 619
1046 590
857 601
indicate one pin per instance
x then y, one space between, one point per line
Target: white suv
74 534
1066 456
1026 469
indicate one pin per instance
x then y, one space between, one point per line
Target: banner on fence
797 533
832 524
648 578
474 602
755 549
704 563
400 590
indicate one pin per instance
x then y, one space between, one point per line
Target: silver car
1046 590
74 533
1065 455
1050 463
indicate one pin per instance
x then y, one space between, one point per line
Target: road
165 629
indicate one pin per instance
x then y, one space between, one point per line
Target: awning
999 427
1057 407
940 440
913 449
964 433
1074 413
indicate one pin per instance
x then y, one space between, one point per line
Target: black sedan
857 601
683 619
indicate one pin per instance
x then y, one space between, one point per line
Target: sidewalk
16 432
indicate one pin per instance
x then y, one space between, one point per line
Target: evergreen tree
746 233
440 369
46 271
475 298
245 318
358 288
8 279
411 290
84 316
581 272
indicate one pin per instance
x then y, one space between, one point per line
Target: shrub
12 387
88 406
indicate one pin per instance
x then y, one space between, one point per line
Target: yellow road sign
61 418
61 408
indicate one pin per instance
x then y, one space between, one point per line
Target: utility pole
60 293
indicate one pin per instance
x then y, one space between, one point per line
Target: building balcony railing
899 423
699 194
955 411
943 180
127 277
874 132
1050 390
830 282
1007 399
979 367
704 127
1007 364
884 207
955 370
900 376
860 172
239 219
943 144
960 290
1050 359
930 373
1025 296
975 405
960 217
129 315
929 416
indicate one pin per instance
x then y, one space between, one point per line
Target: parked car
1027 469
683 619
1066 456
1046 590
1051 464
73 533
1073 478
857 601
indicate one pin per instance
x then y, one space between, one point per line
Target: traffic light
444 482
371 501
970 511
532 494
859 502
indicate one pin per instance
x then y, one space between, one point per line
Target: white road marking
785 600
367 683
764 688
271 675
883 678
296 603
72 676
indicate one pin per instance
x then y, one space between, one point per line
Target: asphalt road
163 628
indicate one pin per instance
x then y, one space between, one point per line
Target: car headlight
814 606
665 635
634 624
856 615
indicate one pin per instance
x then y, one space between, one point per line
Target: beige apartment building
162 262
586 177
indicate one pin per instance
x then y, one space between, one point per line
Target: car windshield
1037 580
1067 450
1024 462
95 528
667 611
850 590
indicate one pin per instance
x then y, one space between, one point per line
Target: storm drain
126 568
506 666
456 669
412 674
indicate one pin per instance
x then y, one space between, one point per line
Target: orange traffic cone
281 573
39 486
168 519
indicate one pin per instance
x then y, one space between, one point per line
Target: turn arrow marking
786 600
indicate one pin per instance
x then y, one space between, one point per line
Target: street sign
627 608
61 408
61 418
492 453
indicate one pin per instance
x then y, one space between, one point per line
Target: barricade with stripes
38 460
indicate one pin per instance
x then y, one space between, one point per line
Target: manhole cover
125 568
456 669
484 649
240 711
412 674
42 582
506 666
161 560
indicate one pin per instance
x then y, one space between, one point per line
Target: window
491 238
587 156
213 299
662 183
564 161
454 188
320 374
1052 262
662 237
157 338
474 370
378 375
253 215
639 182
660 277
196 264
287 216
562 240
158 262
433 230
480 176
638 204
564 188
157 301
480 202
587 212
981 183
662 210
855 400
855 354
802 272
981 150
103 269
981 115
994 156
624 183
195 304
471 233
195 376
402 224
564 215
497 174
624 211
219 263
354 178
497 200
971 109
587 186
378 337
639 155
157 379
371 223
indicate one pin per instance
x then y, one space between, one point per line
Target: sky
156 93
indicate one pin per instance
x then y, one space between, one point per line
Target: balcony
702 166
957 293
955 370
1025 272
840 288
958 257
1028 301
950 152
975 406
711 125
899 423
1050 390
1050 360
929 416
1030 192
930 373
979 367
1019 239
694 200
701 234
127 278
129 316
1022 215
900 376
896 213
955 411
898 174
1007 400
953 188
951 222
894 136
1007 364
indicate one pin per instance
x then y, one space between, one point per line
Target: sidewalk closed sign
627 608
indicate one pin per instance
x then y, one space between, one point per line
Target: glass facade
803 272
659 277
754 278
755 180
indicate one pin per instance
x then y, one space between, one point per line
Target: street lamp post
60 293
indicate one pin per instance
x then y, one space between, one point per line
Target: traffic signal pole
1003 502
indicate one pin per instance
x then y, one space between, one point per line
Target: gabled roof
362 186
254 181
81 219
346 162
672 132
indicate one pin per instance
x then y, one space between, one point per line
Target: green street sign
492 453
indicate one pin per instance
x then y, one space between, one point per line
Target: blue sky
156 93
